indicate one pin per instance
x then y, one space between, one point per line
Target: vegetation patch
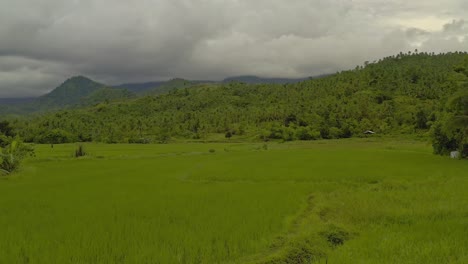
80 151
335 235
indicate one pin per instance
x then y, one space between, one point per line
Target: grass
337 201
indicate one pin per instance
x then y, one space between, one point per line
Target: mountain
160 87
250 79
140 87
69 93
77 91
80 91
16 101
174 84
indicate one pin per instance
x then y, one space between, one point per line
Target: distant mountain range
158 87
259 80
161 86
13 101
75 92
80 91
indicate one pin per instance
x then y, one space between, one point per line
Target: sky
44 42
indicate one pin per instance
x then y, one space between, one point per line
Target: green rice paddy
337 201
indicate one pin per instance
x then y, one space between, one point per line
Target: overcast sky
43 42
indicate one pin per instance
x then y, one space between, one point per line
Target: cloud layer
43 42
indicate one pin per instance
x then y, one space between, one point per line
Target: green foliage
106 95
442 143
13 154
80 151
402 94
6 129
55 136
451 130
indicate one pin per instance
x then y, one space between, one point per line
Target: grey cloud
456 26
45 41
25 77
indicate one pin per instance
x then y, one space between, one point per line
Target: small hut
369 132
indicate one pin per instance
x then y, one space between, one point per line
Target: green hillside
259 80
106 94
402 94
71 92
170 85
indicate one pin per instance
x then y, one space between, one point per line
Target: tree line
408 93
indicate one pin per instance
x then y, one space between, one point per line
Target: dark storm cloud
42 42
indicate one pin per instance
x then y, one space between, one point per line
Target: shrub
139 141
335 236
80 151
335 132
4 141
12 155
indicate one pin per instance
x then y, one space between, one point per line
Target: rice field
336 201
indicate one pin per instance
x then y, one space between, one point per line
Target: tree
457 121
56 136
6 132
6 129
441 142
451 131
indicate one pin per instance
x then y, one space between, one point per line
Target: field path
279 248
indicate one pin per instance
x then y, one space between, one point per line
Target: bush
4 141
303 133
139 141
335 132
80 151
335 236
307 133
12 155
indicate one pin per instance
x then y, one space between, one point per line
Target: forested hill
405 94
77 91
80 91
71 91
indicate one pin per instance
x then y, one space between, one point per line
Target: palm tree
12 155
